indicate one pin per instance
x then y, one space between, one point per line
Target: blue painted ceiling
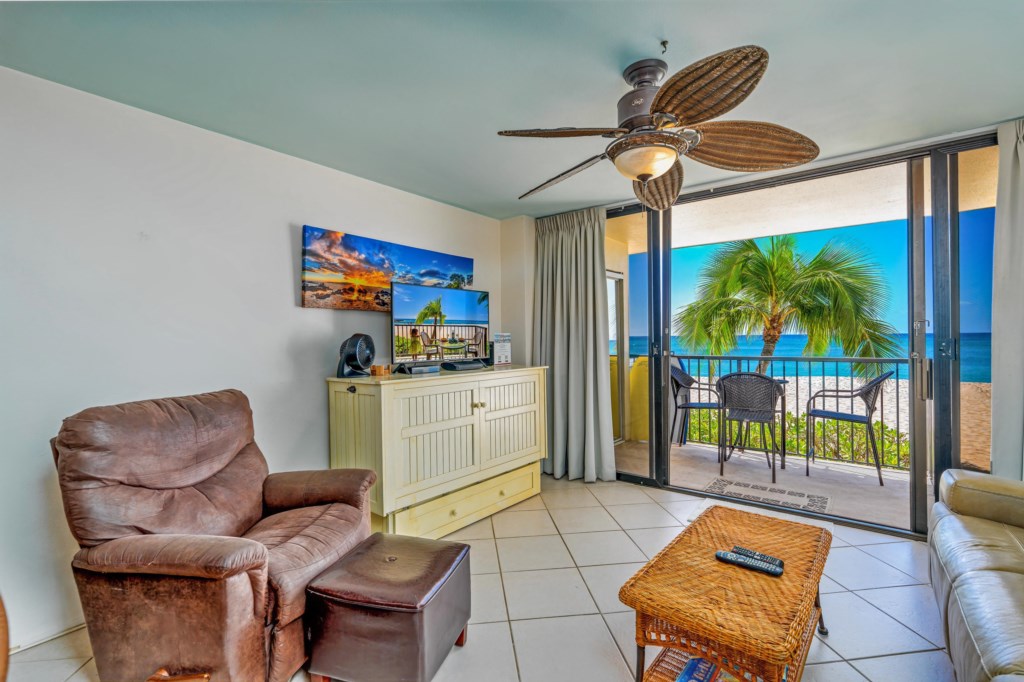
411 94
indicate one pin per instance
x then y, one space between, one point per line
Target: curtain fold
570 335
1008 308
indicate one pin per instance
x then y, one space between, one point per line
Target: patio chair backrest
680 382
870 391
749 391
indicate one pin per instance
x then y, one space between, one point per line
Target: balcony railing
837 441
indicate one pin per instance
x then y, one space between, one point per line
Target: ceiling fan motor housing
635 105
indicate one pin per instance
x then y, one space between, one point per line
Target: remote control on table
747 562
743 551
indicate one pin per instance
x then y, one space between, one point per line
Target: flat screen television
434 324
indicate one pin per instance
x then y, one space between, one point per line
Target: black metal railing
803 376
462 333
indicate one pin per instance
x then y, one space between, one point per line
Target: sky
886 242
457 304
341 257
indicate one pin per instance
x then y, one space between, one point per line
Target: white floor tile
859 630
516 524
856 570
910 557
533 553
543 594
914 606
683 511
583 520
653 540
481 530
832 672
488 599
624 493
649 515
829 585
569 498
570 648
89 673
821 653
608 547
662 495
483 558
857 536
605 581
933 666
623 629
488 655
72 645
532 504
56 670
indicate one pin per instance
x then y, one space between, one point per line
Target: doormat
770 494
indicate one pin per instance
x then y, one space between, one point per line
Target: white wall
141 257
518 267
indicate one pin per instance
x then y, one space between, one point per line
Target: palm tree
432 310
836 296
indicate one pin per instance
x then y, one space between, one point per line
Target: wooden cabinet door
437 435
513 419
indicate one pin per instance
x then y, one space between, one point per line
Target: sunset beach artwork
345 272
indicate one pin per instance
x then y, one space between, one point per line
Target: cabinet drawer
446 514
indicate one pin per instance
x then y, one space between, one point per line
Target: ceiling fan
658 125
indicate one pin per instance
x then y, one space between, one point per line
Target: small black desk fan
356 356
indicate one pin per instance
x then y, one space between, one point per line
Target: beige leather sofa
976 540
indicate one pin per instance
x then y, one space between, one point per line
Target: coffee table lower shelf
670 661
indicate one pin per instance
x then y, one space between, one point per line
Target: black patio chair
869 393
747 398
682 384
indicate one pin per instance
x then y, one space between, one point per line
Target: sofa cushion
986 625
302 544
962 544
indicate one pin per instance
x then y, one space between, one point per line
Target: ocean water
975 354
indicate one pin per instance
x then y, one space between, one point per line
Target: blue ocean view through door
975 353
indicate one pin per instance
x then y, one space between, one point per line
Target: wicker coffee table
694 605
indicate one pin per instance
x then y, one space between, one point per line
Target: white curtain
570 335
1008 308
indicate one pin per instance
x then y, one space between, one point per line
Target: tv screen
432 324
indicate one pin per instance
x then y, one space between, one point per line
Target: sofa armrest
982 495
195 556
294 489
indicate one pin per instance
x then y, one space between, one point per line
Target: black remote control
747 562
743 551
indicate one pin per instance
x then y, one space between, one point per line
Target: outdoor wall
141 257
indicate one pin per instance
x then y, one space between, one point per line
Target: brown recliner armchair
193 558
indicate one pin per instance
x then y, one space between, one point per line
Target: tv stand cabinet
449 449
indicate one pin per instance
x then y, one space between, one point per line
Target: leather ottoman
389 610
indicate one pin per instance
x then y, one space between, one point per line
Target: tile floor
546 576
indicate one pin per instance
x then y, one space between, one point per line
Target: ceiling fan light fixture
646 162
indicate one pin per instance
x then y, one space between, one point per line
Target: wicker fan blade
751 146
564 132
712 86
567 174
661 192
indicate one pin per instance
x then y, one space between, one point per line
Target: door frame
621 349
659 230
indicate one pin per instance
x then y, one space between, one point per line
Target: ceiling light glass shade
646 162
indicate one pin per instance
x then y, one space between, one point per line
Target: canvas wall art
347 272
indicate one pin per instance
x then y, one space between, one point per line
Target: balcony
843 480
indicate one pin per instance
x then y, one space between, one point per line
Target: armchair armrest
982 495
293 489
196 556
